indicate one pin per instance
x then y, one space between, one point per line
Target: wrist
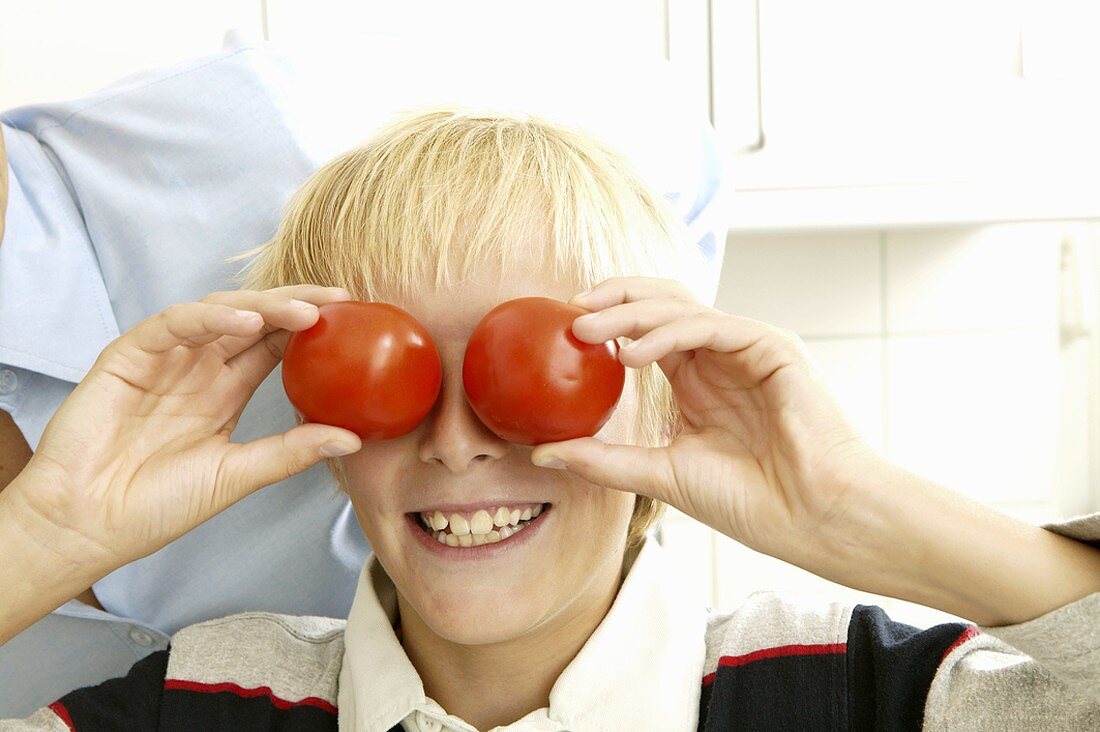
907 537
41 566
860 543
45 536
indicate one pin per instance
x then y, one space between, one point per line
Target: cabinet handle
736 85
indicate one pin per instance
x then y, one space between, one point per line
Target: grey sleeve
44 720
1042 674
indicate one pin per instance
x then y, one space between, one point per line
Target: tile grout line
977 331
884 341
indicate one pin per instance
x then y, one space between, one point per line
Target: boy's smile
450 524
465 531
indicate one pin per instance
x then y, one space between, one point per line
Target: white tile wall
944 347
990 278
854 369
977 411
814 284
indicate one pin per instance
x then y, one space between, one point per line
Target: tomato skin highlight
530 380
369 367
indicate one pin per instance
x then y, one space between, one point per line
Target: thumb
630 468
247 468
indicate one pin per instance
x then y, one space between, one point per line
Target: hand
140 452
762 441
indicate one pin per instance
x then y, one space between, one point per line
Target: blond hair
437 193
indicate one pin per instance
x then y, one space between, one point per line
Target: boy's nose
453 435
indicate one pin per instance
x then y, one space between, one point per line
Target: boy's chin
475 621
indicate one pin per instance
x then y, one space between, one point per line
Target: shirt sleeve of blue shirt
121 204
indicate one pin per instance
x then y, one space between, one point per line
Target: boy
559 613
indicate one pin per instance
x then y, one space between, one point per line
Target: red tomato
369 367
530 380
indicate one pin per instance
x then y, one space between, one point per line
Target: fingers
665 327
629 468
632 289
236 320
290 308
247 468
710 329
254 358
630 307
191 324
632 320
256 362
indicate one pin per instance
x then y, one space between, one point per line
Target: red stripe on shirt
821 649
310 701
970 632
63 714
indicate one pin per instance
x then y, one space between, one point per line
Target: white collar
642 667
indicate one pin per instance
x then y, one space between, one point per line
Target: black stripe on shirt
790 688
131 702
891 666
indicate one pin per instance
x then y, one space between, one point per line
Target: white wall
948 348
58 49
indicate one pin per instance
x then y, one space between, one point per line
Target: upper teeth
481 522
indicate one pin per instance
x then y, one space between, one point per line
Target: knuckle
217 297
790 338
295 463
172 313
710 315
681 290
792 344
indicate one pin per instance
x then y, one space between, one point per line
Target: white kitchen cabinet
887 112
600 65
613 29
602 34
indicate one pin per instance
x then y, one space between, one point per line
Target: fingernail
549 461
303 305
246 314
589 316
586 293
336 449
630 346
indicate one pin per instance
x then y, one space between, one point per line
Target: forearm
907 537
42 566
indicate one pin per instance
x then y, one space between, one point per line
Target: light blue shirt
121 204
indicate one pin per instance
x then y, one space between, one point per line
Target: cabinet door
613 29
600 63
871 92
53 49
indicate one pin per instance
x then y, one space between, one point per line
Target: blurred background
917 194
